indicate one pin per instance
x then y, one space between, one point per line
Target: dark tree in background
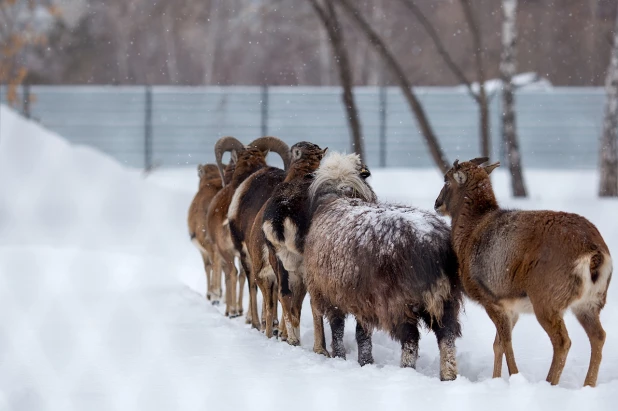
274 42
479 97
402 80
328 16
507 70
609 152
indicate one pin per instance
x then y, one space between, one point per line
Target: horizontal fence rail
150 126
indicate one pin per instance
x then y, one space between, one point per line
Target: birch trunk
507 71
609 155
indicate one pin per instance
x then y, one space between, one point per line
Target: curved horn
479 160
276 145
223 145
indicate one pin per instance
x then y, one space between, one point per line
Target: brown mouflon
209 185
513 261
391 266
248 159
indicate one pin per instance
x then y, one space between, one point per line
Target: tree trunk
328 16
477 44
609 154
167 21
423 122
325 58
211 44
507 70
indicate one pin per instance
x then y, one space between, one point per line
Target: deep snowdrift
101 303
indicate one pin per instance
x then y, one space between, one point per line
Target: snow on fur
84 326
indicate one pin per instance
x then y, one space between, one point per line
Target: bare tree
609 154
480 74
404 84
171 60
328 16
18 31
507 70
479 97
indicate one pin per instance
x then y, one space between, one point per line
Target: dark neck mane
300 169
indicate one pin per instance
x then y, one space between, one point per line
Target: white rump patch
290 231
592 293
232 211
267 271
269 233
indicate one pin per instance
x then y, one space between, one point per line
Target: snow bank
54 193
93 315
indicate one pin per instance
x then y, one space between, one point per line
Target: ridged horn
223 145
276 145
479 160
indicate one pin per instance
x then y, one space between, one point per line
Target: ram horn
276 145
225 144
479 160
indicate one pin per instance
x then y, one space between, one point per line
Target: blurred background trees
23 28
405 43
282 42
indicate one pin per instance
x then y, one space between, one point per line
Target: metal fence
145 126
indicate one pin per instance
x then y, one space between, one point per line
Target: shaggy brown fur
209 186
306 158
392 267
249 160
286 221
521 261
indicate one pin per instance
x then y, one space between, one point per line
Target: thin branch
476 39
482 95
448 60
328 15
404 84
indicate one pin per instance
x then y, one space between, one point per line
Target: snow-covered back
102 307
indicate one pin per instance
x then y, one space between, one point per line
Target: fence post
264 106
383 107
148 129
26 95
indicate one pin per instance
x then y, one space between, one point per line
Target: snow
102 303
523 81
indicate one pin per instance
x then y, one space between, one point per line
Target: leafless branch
328 16
431 31
477 45
404 84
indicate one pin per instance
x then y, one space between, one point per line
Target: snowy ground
101 303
